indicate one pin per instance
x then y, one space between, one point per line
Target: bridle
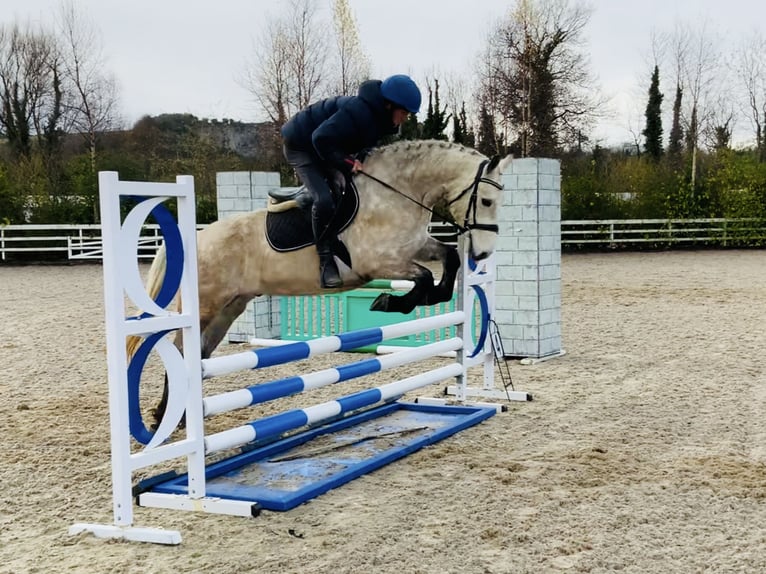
471 209
473 187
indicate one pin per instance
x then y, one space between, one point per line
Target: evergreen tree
675 147
462 133
722 137
410 129
487 138
459 127
437 119
653 130
458 135
470 138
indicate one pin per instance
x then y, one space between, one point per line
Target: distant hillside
172 135
245 140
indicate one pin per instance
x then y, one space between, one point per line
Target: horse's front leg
418 295
425 292
435 250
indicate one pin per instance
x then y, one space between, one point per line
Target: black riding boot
328 269
330 275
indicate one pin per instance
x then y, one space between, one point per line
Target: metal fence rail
83 242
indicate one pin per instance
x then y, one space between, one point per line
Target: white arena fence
663 232
28 242
84 242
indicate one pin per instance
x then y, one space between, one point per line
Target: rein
473 187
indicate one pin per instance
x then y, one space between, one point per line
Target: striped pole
299 350
275 425
393 284
293 385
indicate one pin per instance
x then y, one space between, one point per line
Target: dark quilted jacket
341 126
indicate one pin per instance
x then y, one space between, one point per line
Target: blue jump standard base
291 471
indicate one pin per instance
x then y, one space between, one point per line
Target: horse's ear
493 163
502 168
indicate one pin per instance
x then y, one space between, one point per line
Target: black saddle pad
291 230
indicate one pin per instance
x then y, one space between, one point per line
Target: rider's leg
321 214
311 172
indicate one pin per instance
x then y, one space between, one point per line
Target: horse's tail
152 284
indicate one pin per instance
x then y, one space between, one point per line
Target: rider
318 143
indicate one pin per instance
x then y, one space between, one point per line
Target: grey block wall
243 191
528 288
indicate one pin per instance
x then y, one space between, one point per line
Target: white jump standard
270 444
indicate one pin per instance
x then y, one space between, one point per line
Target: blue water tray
286 473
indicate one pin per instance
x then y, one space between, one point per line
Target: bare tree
455 94
540 75
353 63
698 63
288 71
455 91
492 114
751 69
92 102
308 51
30 89
719 128
267 78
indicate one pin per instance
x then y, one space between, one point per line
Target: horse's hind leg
212 334
159 411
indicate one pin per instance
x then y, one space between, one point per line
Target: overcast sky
187 55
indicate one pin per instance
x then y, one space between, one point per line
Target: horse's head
475 207
459 184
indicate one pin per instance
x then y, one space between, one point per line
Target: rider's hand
356 165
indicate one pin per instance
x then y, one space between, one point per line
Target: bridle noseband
471 209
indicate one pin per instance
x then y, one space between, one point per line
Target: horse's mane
419 147
414 165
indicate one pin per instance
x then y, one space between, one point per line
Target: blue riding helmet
402 91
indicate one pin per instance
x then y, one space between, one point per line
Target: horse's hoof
381 302
157 416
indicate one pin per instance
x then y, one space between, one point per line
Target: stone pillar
528 288
238 192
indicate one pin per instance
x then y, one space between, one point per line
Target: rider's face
400 116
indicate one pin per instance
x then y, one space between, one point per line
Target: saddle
288 218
